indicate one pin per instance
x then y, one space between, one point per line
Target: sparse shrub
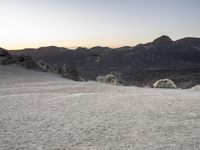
164 83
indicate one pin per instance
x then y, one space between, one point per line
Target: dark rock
70 72
162 41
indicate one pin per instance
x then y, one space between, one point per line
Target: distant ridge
160 54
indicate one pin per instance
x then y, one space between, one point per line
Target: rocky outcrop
29 63
165 83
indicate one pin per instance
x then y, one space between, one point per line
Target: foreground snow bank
41 111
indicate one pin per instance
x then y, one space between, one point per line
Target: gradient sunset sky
88 23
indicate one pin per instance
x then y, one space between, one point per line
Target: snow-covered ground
42 111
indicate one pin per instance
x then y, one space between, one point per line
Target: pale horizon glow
88 23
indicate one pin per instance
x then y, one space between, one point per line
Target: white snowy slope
42 111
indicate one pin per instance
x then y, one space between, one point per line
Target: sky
88 23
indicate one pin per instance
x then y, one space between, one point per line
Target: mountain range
161 54
139 65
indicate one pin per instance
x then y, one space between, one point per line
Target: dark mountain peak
162 41
163 38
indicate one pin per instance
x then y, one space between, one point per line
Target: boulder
197 87
165 83
110 79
